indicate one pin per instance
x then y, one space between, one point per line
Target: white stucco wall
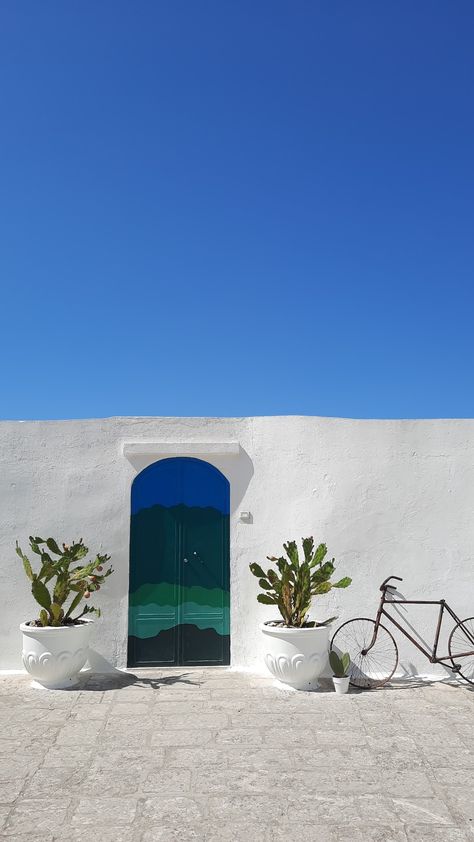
386 496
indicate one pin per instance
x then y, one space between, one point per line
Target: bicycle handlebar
384 583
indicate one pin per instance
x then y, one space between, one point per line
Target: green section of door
205 550
179 567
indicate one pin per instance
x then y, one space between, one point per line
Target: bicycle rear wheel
377 666
461 640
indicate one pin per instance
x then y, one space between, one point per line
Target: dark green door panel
179 565
205 572
154 544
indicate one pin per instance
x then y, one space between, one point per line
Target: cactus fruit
292 589
339 663
76 582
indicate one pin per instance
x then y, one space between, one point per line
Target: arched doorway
179 565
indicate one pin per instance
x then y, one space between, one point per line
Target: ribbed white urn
296 656
54 656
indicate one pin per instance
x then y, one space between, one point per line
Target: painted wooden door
179 565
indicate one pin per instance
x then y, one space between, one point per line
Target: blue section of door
181 480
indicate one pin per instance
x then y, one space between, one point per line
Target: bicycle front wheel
377 665
461 648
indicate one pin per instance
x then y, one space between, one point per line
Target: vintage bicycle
374 652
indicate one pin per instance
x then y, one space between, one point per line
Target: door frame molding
158 449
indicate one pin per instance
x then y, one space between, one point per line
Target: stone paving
215 755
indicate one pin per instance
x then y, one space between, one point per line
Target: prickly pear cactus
294 584
62 577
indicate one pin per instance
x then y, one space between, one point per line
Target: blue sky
234 208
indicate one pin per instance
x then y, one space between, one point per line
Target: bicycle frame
432 656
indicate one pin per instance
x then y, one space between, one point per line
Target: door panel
153 600
179 565
205 574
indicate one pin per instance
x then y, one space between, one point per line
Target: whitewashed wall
386 496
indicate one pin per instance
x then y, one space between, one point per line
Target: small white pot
54 655
296 656
341 685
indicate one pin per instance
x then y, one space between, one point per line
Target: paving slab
214 755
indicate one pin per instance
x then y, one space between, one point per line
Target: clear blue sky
233 208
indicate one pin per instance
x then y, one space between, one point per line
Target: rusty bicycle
374 652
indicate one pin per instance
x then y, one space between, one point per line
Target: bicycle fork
376 628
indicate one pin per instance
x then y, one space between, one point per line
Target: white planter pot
54 656
341 685
296 656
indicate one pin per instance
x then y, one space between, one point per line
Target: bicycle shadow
411 680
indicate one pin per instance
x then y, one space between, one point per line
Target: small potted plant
56 642
340 667
296 648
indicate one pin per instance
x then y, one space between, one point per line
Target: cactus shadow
96 682
101 676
